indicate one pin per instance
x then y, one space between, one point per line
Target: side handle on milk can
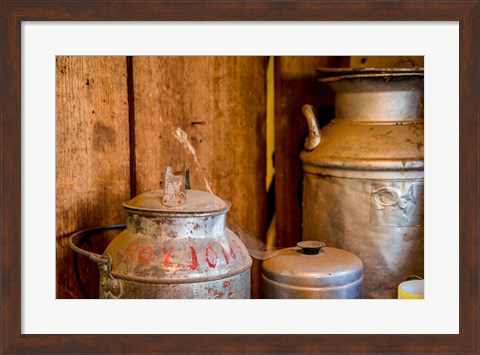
88 233
314 137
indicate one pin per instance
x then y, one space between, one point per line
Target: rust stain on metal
217 294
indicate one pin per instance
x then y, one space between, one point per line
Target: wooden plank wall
92 160
121 121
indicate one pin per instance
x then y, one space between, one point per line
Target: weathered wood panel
208 114
92 161
296 84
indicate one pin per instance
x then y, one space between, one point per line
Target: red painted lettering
194 263
209 262
232 253
239 248
166 256
225 255
133 247
144 259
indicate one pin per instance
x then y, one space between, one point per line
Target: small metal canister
176 245
312 270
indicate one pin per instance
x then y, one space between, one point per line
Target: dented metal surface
363 183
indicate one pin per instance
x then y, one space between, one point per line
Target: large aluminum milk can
175 245
312 270
363 173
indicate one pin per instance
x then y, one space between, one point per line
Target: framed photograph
42 40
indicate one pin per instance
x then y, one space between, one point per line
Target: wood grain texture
207 114
296 84
92 161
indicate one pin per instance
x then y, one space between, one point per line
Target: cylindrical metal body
328 273
182 252
363 174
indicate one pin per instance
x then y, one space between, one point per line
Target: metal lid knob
177 198
174 193
311 247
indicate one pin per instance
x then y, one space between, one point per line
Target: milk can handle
88 233
314 137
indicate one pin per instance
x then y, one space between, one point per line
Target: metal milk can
312 270
175 245
363 173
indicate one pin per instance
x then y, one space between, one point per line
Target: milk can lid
177 199
301 266
196 202
335 74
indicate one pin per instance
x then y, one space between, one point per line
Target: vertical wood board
92 160
296 84
207 114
